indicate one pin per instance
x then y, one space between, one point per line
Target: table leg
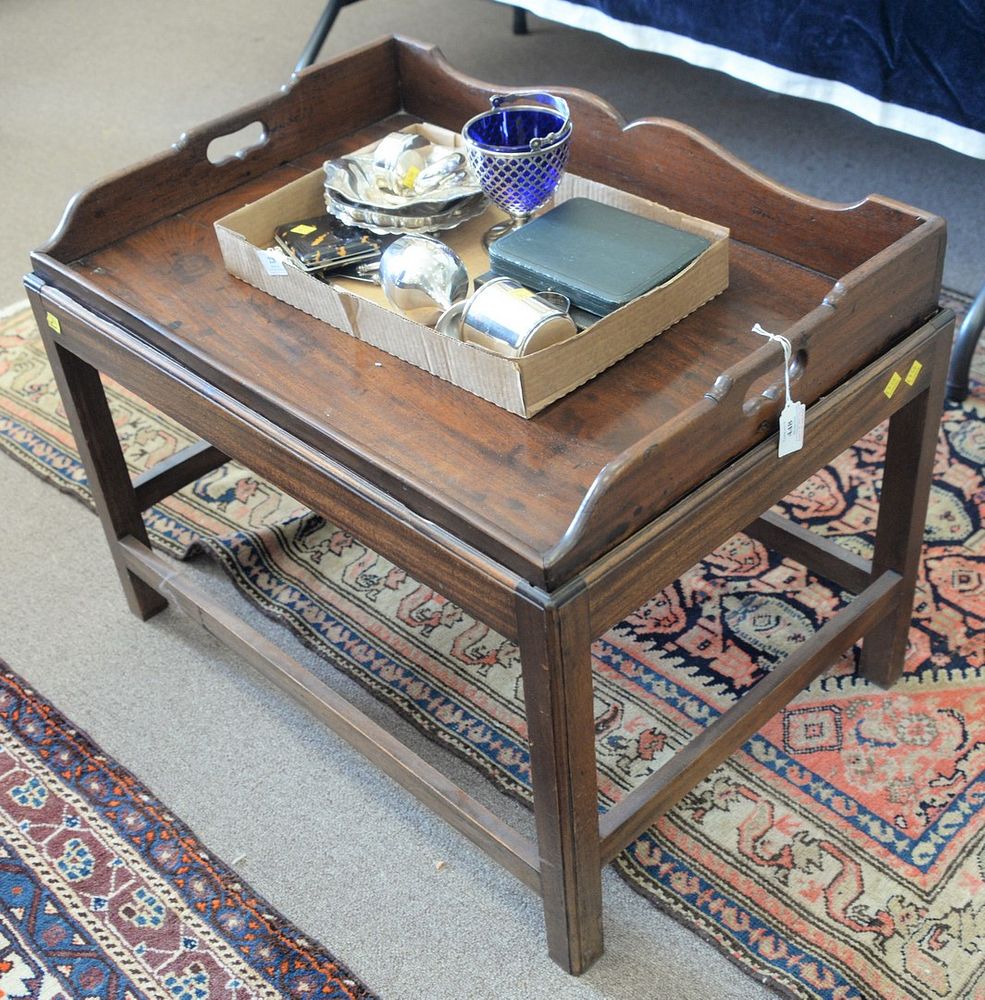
555 652
99 447
907 475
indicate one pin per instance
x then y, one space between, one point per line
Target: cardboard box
521 385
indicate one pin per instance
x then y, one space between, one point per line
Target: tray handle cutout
758 395
758 385
237 145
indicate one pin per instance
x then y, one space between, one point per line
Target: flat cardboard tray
521 385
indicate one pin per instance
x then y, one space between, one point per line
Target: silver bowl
422 277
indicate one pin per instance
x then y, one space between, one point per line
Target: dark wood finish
549 529
820 555
557 689
426 441
631 815
907 474
173 473
621 580
599 464
112 493
829 339
513 851
425 550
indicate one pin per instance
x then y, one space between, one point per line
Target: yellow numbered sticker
892 385
303 230
914 373
53 322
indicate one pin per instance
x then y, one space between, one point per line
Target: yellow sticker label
522 293
892 385
303 230
53 322
410 177
913 374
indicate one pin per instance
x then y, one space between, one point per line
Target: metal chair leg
318 36
964 347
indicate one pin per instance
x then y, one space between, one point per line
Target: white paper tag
273 261
792 419
793 416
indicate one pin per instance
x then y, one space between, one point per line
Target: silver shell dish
353 178
387 223
354 195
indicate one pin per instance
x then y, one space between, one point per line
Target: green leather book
599 256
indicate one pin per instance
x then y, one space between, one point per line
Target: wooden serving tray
544 497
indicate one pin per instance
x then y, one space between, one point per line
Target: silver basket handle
544 100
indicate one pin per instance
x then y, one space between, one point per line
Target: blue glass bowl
518 151
513 129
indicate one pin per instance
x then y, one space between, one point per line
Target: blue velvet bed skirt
913 65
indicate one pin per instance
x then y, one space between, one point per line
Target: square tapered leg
555 653
95 435
908 471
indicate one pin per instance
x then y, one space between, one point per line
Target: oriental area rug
105 895
839 855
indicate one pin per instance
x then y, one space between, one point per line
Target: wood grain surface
544 496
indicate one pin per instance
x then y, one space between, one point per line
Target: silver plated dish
427 209
355 178
388 223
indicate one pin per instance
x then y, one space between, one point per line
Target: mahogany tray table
551 529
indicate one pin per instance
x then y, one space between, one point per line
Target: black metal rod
318 36
964 348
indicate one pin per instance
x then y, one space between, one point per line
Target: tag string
787 354
794 415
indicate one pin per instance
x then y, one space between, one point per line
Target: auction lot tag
273 261
793 416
